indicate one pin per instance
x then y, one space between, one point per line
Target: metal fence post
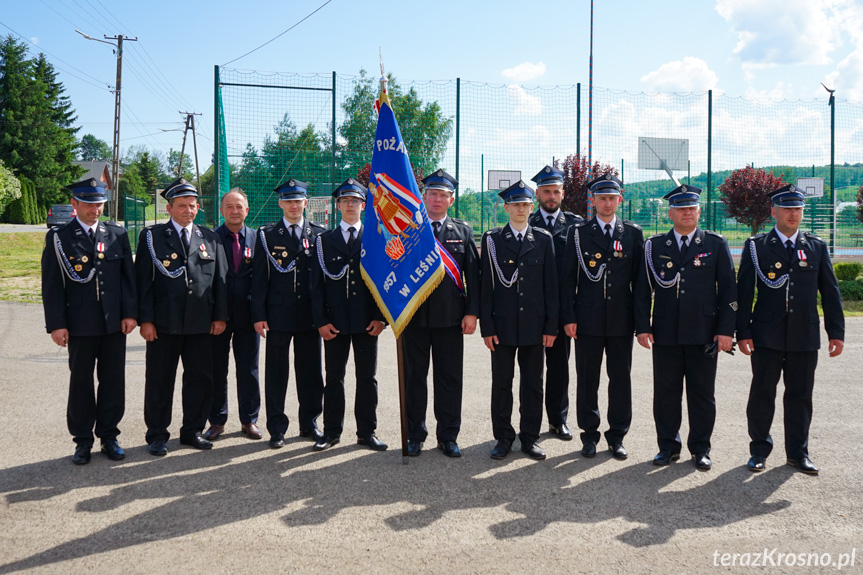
711 212
578 119
333 157
457 126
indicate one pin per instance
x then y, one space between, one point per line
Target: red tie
236 252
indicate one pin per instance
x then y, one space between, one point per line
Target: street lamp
115 164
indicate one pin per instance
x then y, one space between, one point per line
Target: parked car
60 214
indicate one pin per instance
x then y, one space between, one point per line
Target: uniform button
790 311
521 294
521 309
100 273
103 293
190 292
682 280
98 263
609 285
608 272
791 284
683 291
191 281
609 297
353 282
792 297
521 264
352 271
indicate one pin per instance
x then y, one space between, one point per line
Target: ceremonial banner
400 261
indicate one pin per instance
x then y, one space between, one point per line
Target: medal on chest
801 255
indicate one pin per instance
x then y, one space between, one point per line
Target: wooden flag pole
402 399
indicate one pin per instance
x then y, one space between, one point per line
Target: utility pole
190 125
115 163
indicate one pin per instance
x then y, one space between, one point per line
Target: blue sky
776 49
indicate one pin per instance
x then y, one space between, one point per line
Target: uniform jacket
703 303
346 302
558 231
523 313
189 303
283 300
446 306
603 308
239 285
792 323
74 306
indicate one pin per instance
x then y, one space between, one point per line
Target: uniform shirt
299 225
545 216
783 238
346 234
86 227
602 224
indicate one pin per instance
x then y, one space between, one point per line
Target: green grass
20 268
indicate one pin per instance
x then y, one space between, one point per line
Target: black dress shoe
372 442
804 464
82 455
158 448
113 450
756 463
702 461
325 443
415 447
618 451
501 449
560 431
533 451
277 441
449 448
589 449
665 457
314 434
197 441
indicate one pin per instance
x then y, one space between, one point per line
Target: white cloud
773 32
35 40
687 75
524 72
526 104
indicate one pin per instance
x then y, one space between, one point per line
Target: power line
103 86
280 35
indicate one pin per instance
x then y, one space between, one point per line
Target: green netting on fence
319 128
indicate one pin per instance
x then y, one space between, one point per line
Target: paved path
245 508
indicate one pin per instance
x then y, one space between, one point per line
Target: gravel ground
244 507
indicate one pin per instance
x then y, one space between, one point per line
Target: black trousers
307 372
618 365
529 394
366 400
163 356
798 372
672 364
88 406
446 345
246 345
557 379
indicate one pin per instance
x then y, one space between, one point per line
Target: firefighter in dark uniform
550 216
439 325
346 315
238 239
282 312
88 294
602 261
690 275
182 301
518 314
789 268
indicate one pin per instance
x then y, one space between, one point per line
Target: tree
173 163
93 149
10 187
37 140
577 173
744 194
148 166
424 128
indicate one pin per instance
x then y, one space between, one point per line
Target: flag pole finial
383 74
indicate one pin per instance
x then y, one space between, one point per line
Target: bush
851 290
847 271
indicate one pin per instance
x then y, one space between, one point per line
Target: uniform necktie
352 231
294 236
185 237
518 237
683 240
550 222
236 252
790 247
608 231
92 236
436 226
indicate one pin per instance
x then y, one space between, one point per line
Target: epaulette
543 230
758 236
812 236
267 227
654 236
712 233
458 221
317 225
631 224
115 224
494 231
572 215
